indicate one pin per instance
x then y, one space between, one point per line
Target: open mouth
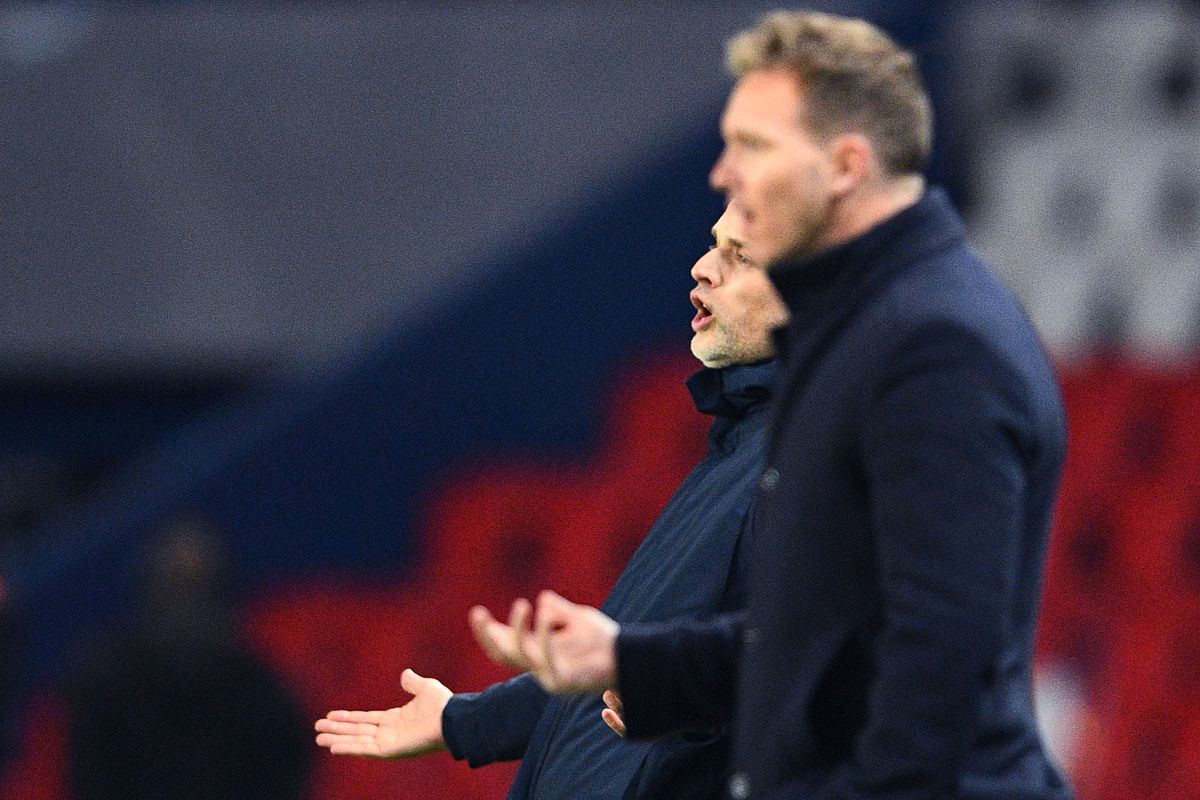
703 315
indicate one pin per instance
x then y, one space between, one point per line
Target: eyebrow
732 242
743 135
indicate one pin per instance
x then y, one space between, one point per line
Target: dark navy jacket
687 566
917 440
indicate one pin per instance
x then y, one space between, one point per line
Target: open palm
412 729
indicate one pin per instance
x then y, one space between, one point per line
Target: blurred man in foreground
689 565
916 444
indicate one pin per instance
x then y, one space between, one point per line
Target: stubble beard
717 353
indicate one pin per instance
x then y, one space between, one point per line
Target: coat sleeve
495 724
678 676
947 446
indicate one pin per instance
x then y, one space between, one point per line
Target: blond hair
853 79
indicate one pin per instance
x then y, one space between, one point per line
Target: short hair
853 77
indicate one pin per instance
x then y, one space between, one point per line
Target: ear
853 160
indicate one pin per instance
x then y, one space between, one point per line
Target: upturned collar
732 391
905 238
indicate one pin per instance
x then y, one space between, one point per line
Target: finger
346 728
550 612
479 616
523 636
339 740
614 721
354 746
545 623
613 700
326 739
518 623
518 616
551 602
489 633
554 611
374 717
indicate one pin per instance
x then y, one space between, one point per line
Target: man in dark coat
689 565
916 443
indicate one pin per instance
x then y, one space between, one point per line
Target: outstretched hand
412 729
569 648
501 642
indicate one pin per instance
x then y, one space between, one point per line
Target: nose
706 271
719 177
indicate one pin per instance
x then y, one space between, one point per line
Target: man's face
772 170
736 305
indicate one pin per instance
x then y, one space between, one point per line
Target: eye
747 142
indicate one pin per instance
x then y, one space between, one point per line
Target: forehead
764 98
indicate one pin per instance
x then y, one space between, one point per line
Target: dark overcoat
916 444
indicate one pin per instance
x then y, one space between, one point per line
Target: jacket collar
732 391
905 238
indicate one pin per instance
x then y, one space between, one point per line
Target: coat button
750 634
769 479
739 786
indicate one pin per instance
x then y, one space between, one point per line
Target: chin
712 361
711 349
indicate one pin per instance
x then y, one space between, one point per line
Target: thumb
553 607
411 682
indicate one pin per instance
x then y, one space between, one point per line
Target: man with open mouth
690 564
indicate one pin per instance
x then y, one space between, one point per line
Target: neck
862 210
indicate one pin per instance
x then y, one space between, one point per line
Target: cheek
742 313
750 312
786 196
